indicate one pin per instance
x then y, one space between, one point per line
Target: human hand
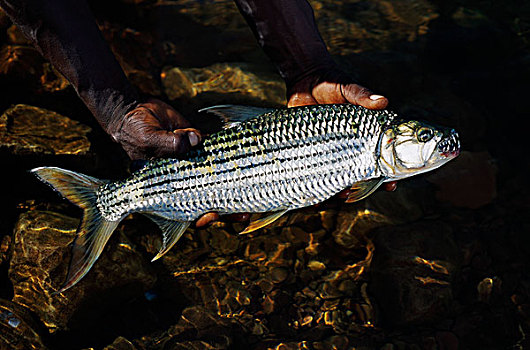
154 129
333 86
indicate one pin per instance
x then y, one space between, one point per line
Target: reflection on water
441 263
223 79
27 129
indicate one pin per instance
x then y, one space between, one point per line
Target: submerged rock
349 27
41 252
15 36
17 330
20 61
224 78
134 51
32 130
412 272
469 181
24 63
121 343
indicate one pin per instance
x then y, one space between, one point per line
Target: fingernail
194 139
376 97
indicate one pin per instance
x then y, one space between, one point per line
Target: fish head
413 147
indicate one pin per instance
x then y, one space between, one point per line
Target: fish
263 161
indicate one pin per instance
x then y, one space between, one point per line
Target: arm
288 34
66 34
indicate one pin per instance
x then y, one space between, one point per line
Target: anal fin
363 189
172 230
269 219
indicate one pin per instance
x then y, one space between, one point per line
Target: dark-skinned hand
335 87
154 129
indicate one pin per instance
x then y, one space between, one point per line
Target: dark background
463 64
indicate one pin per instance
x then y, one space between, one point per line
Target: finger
169 143
301 99
359 95
194 135
206 219
168 117
328 92
390 186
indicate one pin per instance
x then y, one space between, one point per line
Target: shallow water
440 263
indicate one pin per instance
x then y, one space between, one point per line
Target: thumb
171 143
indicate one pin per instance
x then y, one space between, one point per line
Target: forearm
66 34
287 32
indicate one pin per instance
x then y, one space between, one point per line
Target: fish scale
277 161
317 145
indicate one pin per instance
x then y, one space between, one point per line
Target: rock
20 61
352 226
41 251
223 78
412 199
488 289
279 274
222 242
17 330
412 271
218 14
468 17
352 27
24 63
5 244
447 340
15 36
134 51
315 265
212 331
468 181
120 343
52 80
31 130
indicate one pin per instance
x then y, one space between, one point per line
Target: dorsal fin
232 115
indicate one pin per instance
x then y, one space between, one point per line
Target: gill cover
413 147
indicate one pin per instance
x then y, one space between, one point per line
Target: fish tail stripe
93 231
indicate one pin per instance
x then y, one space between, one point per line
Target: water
442 262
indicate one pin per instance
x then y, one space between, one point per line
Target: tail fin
93 232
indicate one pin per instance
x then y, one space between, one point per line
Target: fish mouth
450 145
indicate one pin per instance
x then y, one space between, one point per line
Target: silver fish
263 161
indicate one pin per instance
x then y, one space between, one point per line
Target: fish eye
425 134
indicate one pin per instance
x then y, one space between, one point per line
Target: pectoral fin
269 219
172 230
363 189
